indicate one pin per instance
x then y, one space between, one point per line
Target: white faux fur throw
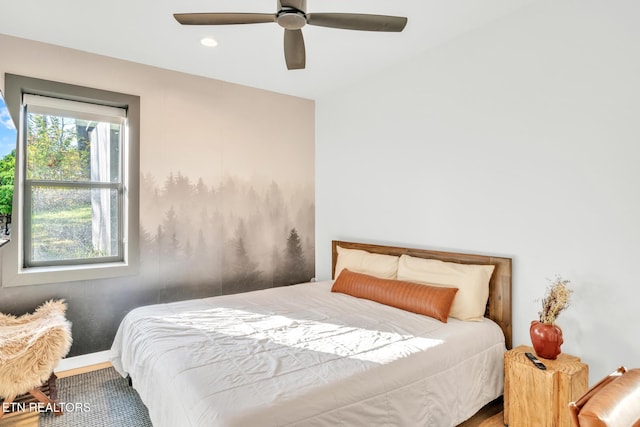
31 345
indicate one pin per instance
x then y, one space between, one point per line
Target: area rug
98 399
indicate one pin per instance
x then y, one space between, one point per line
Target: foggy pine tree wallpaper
229 237
227 192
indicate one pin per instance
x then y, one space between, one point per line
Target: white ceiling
144 31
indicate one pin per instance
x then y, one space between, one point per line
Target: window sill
61 274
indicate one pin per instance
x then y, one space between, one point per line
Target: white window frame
14 271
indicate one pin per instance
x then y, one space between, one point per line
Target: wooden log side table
540 398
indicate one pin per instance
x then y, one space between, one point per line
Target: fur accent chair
31 346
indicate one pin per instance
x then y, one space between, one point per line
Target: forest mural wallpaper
227 190
227 237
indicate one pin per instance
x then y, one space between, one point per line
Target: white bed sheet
304 356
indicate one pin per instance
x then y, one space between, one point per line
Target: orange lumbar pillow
432 301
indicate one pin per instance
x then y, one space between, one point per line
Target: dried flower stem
555 300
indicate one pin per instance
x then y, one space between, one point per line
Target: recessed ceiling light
209 42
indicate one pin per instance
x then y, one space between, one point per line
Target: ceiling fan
292 16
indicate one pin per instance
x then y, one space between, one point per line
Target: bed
303 355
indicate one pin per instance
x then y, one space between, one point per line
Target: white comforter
304 356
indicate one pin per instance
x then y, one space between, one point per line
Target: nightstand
537 398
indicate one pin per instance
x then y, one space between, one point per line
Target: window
77 182
72 187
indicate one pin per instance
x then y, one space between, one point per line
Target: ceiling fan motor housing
291 15
291 20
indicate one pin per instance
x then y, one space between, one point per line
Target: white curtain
100 198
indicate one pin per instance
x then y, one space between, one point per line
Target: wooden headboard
499 303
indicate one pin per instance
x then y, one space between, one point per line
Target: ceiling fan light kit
292 16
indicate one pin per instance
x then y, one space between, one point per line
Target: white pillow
471 280
359 261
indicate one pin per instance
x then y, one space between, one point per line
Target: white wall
520 139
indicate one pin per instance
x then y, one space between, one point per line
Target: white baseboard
82 361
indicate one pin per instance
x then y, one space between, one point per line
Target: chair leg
6 404
41 397
53 391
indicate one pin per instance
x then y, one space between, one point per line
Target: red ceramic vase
546 339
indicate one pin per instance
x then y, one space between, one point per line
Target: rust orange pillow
432 301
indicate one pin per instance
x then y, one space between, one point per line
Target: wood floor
489 416
496 421
83 370
20 419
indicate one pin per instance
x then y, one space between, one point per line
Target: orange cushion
432 301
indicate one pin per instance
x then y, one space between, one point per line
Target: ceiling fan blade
357 21
223 18
294 52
